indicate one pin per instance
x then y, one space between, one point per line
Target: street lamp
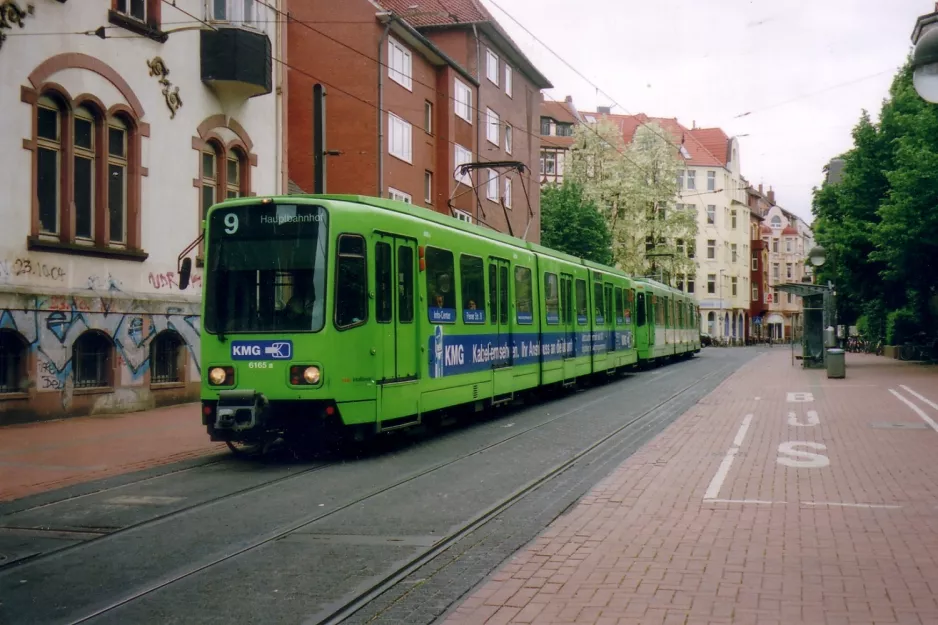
817 256
925 57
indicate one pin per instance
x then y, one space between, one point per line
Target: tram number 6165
260 365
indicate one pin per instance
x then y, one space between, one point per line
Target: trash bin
836 363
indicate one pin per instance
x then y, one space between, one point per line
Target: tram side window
440 294
493 293
552 298
598 300
405 270
581 302
659 311
629 298
566 299
472 276
384 303
523 295
620 316
351 307
641 310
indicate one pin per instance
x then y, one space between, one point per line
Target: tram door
395 293
569 329
610 329
499 312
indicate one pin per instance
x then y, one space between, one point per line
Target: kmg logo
261 350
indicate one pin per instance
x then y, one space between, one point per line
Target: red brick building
416 88
759 204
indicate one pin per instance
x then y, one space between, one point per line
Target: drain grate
898 426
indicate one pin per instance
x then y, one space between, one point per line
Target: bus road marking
717 482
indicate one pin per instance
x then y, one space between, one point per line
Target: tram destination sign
267 220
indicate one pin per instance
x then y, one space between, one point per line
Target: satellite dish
817 256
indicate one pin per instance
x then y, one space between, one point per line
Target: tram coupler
241 410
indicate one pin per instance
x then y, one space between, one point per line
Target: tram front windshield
265 269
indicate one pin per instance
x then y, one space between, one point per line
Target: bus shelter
817 304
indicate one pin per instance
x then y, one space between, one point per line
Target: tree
634 186
879 222
571 223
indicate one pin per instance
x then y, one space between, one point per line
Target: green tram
369 315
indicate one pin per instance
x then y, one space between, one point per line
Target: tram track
110 533
353 604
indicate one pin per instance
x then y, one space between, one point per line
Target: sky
803 70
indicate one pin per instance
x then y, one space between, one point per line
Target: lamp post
925 56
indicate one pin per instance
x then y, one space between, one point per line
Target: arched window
223 174
167 358
233 177
13 352
91 360
84 144
86 164
50 114
117 162
711 323
776 222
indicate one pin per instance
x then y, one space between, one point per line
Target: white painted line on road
917 410
851 505
741 434
924 399
717 482
756 501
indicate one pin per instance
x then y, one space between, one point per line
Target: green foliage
570 223
901 327
879 224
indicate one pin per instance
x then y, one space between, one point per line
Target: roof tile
680 135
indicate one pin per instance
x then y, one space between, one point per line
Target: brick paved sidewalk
818 508
37 457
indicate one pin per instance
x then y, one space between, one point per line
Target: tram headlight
217 376
311 375
305 375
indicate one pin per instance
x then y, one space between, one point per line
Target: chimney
771 196
604 110
568 99
760 189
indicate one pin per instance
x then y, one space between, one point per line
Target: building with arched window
114 145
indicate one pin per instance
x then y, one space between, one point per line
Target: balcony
236 62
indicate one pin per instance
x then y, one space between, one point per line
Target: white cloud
804 70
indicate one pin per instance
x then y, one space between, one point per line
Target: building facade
759 273
788 239
557 122
711 185
416 89
111 161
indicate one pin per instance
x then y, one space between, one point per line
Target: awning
802 289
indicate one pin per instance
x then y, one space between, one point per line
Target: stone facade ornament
12 15
173 101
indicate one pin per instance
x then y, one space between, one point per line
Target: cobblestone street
782 497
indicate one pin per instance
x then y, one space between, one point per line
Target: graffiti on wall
169 280
50 325
25 269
